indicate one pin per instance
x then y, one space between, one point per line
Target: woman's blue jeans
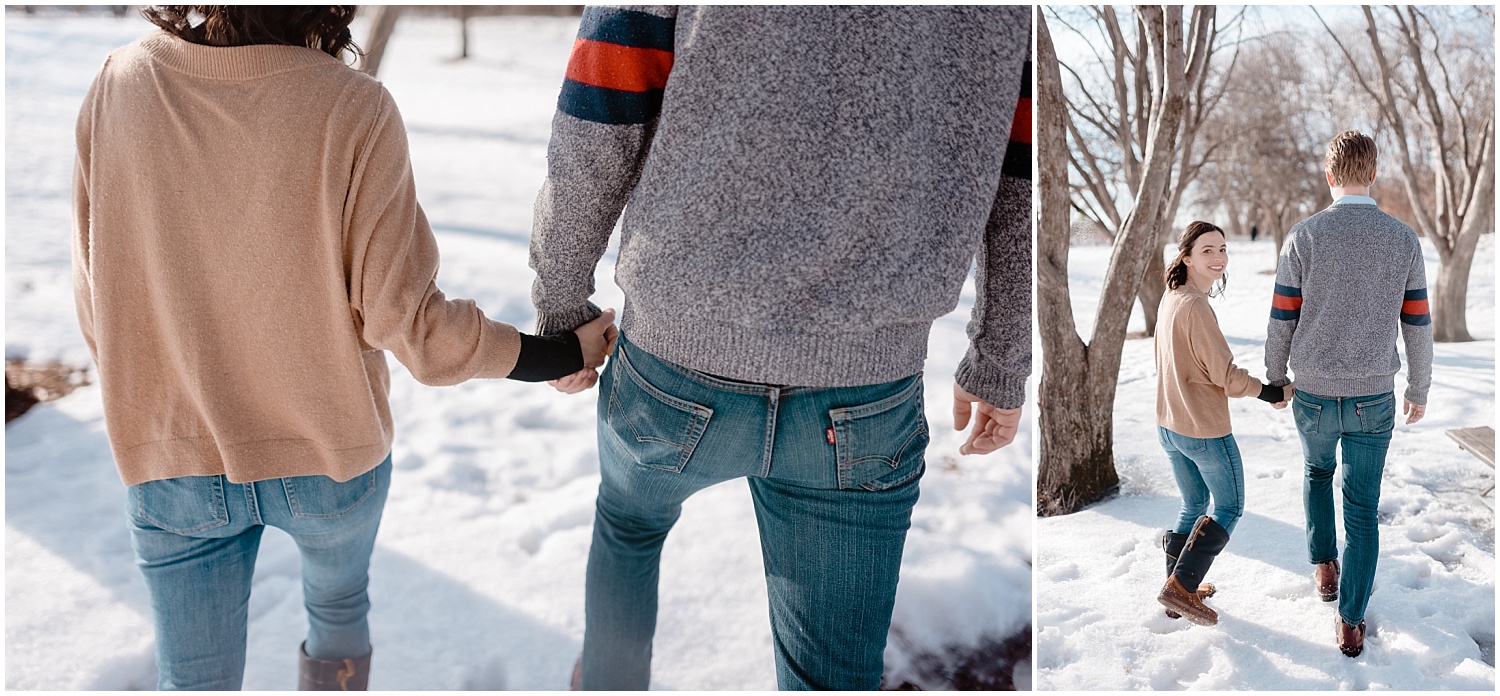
833 475
1204 468
196 538
1362 425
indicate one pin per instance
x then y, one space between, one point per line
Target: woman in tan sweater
247 246
1195 376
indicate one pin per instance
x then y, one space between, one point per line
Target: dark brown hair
1351 159
325 28
1177 271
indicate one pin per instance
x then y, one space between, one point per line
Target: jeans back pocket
657 429
881 445
1306 414
183 505
320 497
1377 415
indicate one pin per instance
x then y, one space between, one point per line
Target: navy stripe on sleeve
1288 291
1285 314
627 28
605 105
1417 294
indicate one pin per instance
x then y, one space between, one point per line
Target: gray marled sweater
804 188
1349 277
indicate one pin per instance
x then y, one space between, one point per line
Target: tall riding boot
349 674
1172 544
1180 594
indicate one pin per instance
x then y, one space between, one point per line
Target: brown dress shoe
1176 598
1326 576
1205 590
1351 638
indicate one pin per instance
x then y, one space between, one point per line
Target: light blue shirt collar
1354 200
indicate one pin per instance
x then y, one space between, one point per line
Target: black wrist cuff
1272 395
544 358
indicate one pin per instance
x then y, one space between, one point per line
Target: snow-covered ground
477 578
1432 616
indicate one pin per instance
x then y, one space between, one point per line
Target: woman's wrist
1271 395
546 358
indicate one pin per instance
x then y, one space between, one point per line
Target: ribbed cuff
998 387
563 321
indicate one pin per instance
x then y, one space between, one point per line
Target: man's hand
1286 396
597 339
576 382
993 427
1413 412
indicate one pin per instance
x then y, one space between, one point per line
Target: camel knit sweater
1195 370
247 241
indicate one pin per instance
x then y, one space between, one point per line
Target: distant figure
1254 232
1349 280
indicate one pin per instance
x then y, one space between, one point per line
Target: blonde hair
1351 159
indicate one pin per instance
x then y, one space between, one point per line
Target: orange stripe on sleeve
1414 307
613 66
1287 303
1020 125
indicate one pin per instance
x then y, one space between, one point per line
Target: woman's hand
597 339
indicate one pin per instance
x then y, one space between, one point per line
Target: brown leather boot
1172 544
1326 577
349 674
1177 599
1351 638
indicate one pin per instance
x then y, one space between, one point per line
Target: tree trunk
383 21
1450 294
1076 465
1153 286
463 24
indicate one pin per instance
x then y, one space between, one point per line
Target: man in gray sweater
1350 278
804 190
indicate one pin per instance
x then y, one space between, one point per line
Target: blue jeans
1363 424
196 538
833 476
1204 468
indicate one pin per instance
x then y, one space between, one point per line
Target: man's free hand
576 382
1413 412
993 427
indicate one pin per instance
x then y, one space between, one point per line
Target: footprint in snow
489 676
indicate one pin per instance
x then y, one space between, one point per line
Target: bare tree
1109 126
1433 82
383 24
1267 170
1079 380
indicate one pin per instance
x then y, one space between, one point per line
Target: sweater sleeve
83 287
999 356
1286 309
606 116
1212 353
1416 330
392 259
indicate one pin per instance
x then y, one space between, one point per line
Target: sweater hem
1333 387
846 359
245 462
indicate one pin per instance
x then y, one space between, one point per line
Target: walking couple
1349 279
806 187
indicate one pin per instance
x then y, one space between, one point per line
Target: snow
1432 615
477 578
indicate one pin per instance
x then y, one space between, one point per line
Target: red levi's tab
831 439
613 66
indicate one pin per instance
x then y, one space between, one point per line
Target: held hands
597 340
993 427
1287 390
